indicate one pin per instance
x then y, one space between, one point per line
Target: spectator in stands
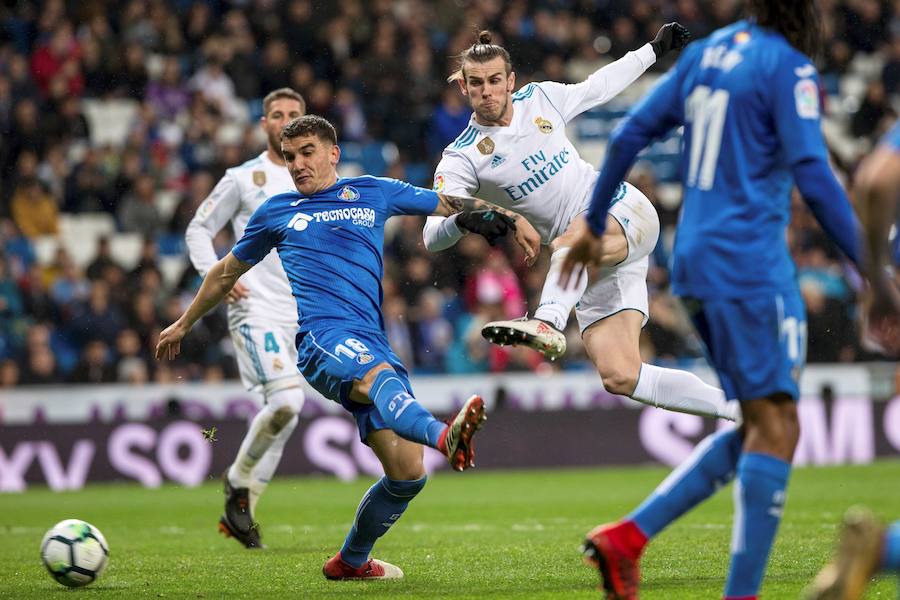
102 259
434 333
40 367
33 209
87 188
94 366
9 373
12 307
58 59
139 212
96 318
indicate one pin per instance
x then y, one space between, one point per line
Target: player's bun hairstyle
280 93
798 21
310 125
481 51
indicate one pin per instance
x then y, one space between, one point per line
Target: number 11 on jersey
705 110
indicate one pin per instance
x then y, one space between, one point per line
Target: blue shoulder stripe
524 93
467 138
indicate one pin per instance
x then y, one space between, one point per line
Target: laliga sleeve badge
486 146
259 178
364 358
438 184
543 125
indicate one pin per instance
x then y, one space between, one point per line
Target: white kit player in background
515 154
262 317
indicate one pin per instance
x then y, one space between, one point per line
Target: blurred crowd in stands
192 73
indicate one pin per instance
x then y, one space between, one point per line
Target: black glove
671 36
488 223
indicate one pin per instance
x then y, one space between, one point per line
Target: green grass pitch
472 535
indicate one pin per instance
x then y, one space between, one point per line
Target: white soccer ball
74 552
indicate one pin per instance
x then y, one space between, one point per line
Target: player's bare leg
875 191
544 332
613 344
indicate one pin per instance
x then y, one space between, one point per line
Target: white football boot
534 333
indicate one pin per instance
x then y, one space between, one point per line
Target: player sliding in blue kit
748 99
330 237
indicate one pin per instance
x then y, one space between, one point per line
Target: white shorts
624 286
265 353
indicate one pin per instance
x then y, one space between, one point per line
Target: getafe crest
348 193
259 178
486 146
364 358
543 125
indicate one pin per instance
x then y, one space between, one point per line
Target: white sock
682 391
557 303
266 466
259 438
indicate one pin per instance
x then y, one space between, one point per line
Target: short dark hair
481 51
280 93
310 125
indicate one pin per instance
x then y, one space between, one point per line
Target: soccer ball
74 552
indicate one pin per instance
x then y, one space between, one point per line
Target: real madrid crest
543 125
486 146
259 178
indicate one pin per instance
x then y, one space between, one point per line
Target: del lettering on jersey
540 170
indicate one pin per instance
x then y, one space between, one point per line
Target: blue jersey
749 104
331 246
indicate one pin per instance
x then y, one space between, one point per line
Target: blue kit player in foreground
329 236
748 99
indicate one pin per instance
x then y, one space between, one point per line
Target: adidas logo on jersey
497 161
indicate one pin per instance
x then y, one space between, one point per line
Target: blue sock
379 509
890 556
758 506
406 417
710 466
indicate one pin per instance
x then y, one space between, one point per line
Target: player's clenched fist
169 344
671 36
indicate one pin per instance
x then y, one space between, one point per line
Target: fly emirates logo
364 217
540 169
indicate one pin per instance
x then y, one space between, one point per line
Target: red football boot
615 550
336 569
456 440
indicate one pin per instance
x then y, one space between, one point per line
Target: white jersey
530 166
237 195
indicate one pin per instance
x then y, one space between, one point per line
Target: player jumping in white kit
262 317
515 154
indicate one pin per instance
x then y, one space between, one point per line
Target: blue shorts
331 359
757 345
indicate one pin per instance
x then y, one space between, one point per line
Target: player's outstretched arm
609 81
472 210
216 210
217 283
